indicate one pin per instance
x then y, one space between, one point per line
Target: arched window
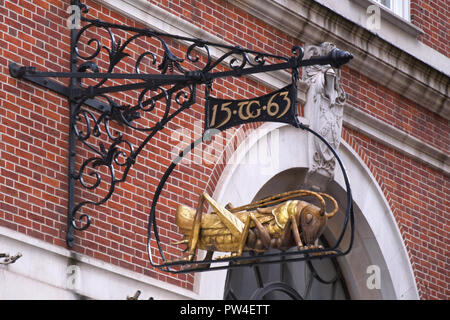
301 280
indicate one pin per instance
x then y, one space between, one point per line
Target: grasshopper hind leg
242 240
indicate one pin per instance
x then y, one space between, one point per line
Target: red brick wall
418 195
419 199
34 142
390 107
432 17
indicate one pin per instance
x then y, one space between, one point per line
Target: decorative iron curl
240 58
141 57
113 157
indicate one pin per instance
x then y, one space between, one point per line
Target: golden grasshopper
255 227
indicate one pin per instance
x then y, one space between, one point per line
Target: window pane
315 280
400 7
386 3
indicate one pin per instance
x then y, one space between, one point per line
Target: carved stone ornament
324 110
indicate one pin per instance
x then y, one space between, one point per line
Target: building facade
386 112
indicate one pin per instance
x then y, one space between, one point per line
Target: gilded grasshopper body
289 223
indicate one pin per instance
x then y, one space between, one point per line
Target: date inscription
278 106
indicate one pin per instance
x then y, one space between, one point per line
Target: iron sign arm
336 59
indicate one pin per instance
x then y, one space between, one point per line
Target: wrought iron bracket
173 82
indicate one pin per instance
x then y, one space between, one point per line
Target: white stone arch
377 238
